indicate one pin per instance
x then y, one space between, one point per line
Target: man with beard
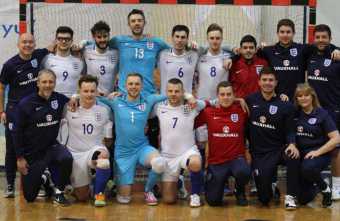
67 67
137 52
323 75
101 61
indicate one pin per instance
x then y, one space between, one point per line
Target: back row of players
34 121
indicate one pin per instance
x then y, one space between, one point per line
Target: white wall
328 13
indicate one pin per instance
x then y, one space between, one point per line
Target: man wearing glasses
67 67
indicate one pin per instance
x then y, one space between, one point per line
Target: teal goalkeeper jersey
130 120
138 56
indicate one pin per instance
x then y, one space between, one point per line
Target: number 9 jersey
67 69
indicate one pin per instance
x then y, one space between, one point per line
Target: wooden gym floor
18 210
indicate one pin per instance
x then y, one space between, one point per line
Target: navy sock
102 176
196 182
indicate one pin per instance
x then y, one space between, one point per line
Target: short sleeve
5 74
328 124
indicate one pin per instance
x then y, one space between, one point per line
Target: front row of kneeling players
274 137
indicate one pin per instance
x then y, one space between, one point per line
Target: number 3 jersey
85 128
67 69
177 66
102 65
176 127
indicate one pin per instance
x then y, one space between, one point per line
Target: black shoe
327 197
9 191
241 199
61 200
276 194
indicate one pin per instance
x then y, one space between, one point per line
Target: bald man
19 73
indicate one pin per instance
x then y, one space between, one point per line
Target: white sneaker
195 200
336 193
290 203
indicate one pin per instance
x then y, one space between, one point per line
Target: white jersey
104 66
177 66
67 69
210 72
176 127
87 128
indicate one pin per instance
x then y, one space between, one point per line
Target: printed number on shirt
65 75
180 72
87 128
132 114
102 69
139 53
213 71
175 121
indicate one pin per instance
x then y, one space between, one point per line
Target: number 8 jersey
211 72
67 69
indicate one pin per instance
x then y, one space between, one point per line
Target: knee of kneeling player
103 164
194 164
158 164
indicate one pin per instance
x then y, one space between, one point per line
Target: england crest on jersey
312 120
141 107
75 66
98 116
273 109
293 52
234 118
149 45
34 63
54 104
189 60
258 69
327 62
113 59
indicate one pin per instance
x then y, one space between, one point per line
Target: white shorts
202 133
175 164
82 164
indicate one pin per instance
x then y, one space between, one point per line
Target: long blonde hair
306 89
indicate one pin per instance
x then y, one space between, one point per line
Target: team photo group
78 115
